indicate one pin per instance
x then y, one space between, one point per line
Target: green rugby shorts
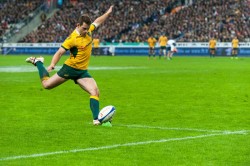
68 72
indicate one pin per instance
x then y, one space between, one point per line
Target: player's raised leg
47 81
53 81
38 62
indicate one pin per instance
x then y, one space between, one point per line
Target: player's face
83 29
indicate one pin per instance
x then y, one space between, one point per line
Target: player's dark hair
84 19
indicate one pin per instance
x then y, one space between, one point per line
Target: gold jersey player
163 48
235 47
79 43
96 43
151 43
212 47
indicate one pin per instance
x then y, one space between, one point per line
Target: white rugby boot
96 122
33 60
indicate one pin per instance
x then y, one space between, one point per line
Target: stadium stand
200 21
15 14
135 20
128 16
222 19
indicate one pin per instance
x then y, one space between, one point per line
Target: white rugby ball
106 113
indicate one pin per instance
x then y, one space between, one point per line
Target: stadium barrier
184 49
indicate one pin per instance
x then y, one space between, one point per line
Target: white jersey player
171 47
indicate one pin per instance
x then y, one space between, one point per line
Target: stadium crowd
221 19
135 20
127 16
13 12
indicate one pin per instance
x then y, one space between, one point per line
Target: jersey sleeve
68 43
92 27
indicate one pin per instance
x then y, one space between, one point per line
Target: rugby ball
106 113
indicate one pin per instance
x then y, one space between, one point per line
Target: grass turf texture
178 112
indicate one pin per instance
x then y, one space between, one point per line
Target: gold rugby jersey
212 43
151 42
96 43
235 43
80 49
163 40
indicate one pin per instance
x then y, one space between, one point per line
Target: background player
151 43
96 43
171 47
212 47
235 47
163 42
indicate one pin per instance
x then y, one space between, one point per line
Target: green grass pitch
188 111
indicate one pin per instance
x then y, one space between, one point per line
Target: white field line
120 145
31 68
172 128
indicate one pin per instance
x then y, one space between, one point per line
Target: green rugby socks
43 73
94 106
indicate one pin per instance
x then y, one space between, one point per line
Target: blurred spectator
43 17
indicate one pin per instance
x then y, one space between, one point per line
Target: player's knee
95 92
46 86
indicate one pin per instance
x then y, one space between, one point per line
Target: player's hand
110 9
50 68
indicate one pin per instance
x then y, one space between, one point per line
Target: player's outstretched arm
103 17
56 58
